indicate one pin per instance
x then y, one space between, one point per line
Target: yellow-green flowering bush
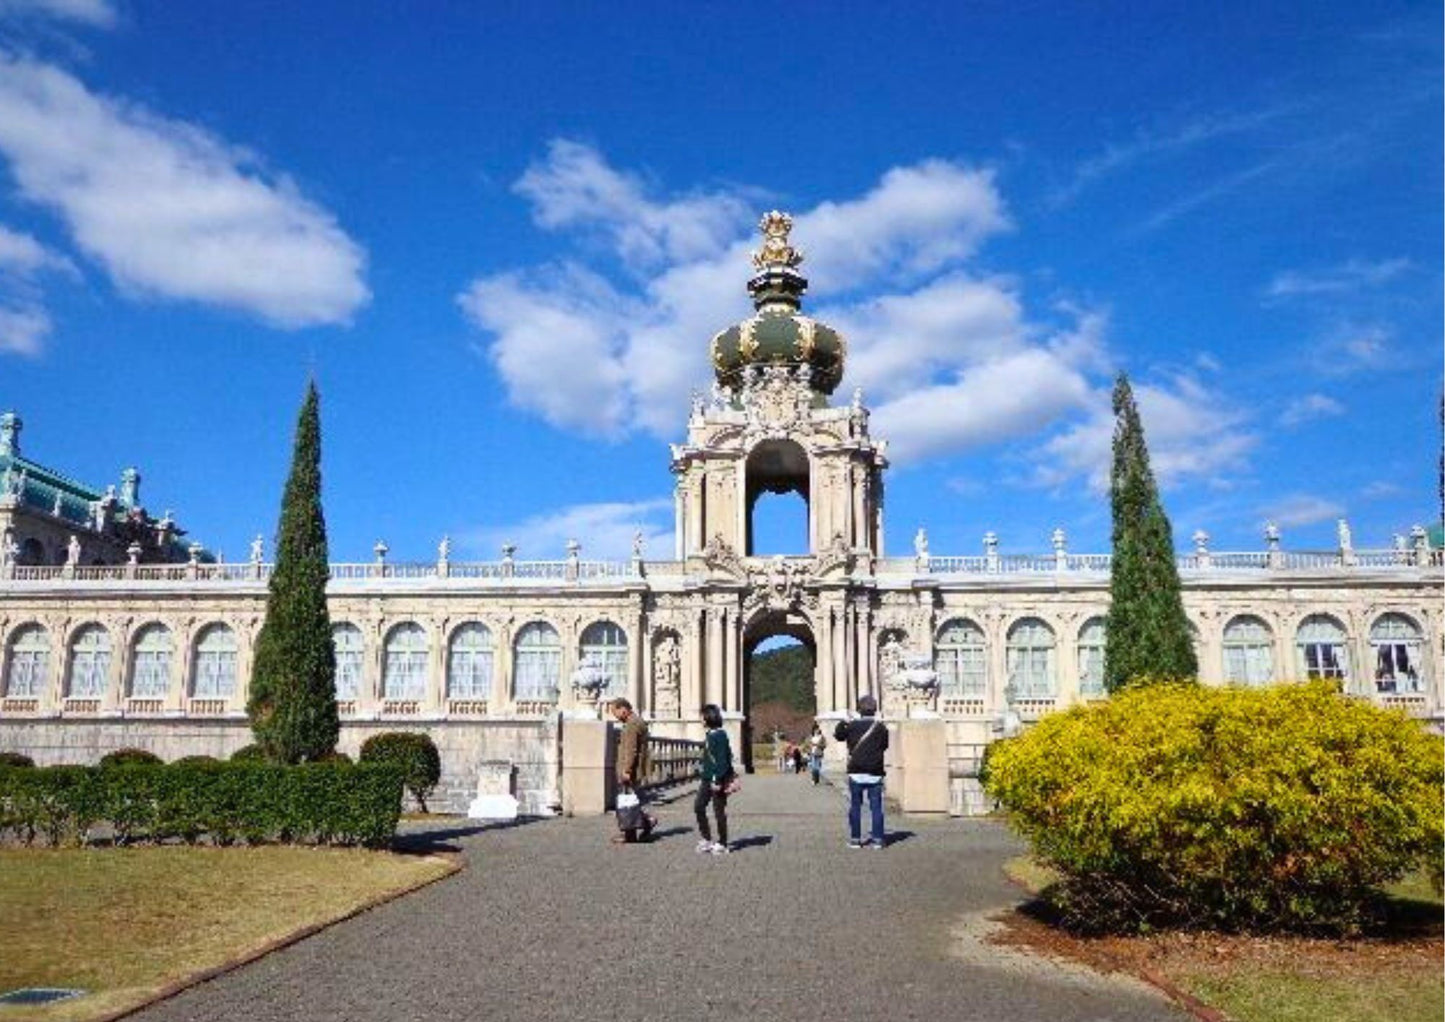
1283 807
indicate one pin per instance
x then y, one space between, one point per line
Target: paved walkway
551 922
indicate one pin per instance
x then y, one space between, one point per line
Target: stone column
731 662
501 671
997 661
713 690
637 665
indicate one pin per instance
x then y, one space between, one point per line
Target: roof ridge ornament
776 252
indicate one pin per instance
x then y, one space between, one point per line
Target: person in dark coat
867 740
715 771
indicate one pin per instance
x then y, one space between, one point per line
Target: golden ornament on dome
776 252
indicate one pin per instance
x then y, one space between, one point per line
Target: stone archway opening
780 659
776 467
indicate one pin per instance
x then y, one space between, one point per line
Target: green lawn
124 923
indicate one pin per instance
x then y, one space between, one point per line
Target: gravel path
550 921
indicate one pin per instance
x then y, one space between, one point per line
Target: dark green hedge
322 803
414 753
130 757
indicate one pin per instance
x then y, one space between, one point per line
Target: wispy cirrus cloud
1162 142
1301 509
1350 276
170 210
606 529
91 13
1310 407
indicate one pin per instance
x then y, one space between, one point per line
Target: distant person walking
718 775
867 739
816 744
633 820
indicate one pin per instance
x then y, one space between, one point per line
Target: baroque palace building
115 633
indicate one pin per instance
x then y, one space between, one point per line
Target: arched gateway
768 428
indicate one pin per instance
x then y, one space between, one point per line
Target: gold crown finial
776 252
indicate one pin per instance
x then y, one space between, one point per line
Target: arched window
89 663
403 669
1323 649
960 661
469 662
537 666
28 665
150 670
605 645
1091 657
1248 652
214 674
32 551
1031 659
1397 645
346 639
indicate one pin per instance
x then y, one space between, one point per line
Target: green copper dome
779 335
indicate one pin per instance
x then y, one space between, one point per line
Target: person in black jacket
867 739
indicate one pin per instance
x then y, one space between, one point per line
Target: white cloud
1302 509
1380 489
95 13
23 329
1350 276
1192 431
169 209
889 260
21 254
605 531
1310 407
949 355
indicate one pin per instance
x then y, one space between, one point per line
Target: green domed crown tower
778 334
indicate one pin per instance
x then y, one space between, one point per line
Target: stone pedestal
589 764
922 765
496 792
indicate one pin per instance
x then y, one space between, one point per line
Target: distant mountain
783 676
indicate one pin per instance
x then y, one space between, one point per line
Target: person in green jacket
717 770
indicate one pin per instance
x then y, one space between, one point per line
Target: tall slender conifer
293 692
1148 634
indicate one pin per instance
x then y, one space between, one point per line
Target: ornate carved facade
487 655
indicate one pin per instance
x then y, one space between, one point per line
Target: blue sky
501 237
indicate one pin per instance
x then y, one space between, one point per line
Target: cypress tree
1147 634
293 680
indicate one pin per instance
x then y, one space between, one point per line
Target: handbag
731 784
629 811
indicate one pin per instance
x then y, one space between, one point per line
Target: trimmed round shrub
195 761
249 754
334 757
15 759
130 757
1187 805
415 753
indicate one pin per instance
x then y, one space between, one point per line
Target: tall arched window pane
960 661
537 666
346 638
1322 647
403 671
89 663
1248 652
1396 644
215 668
150 673
1091 657
28 665
604 644
1031 660
469 662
